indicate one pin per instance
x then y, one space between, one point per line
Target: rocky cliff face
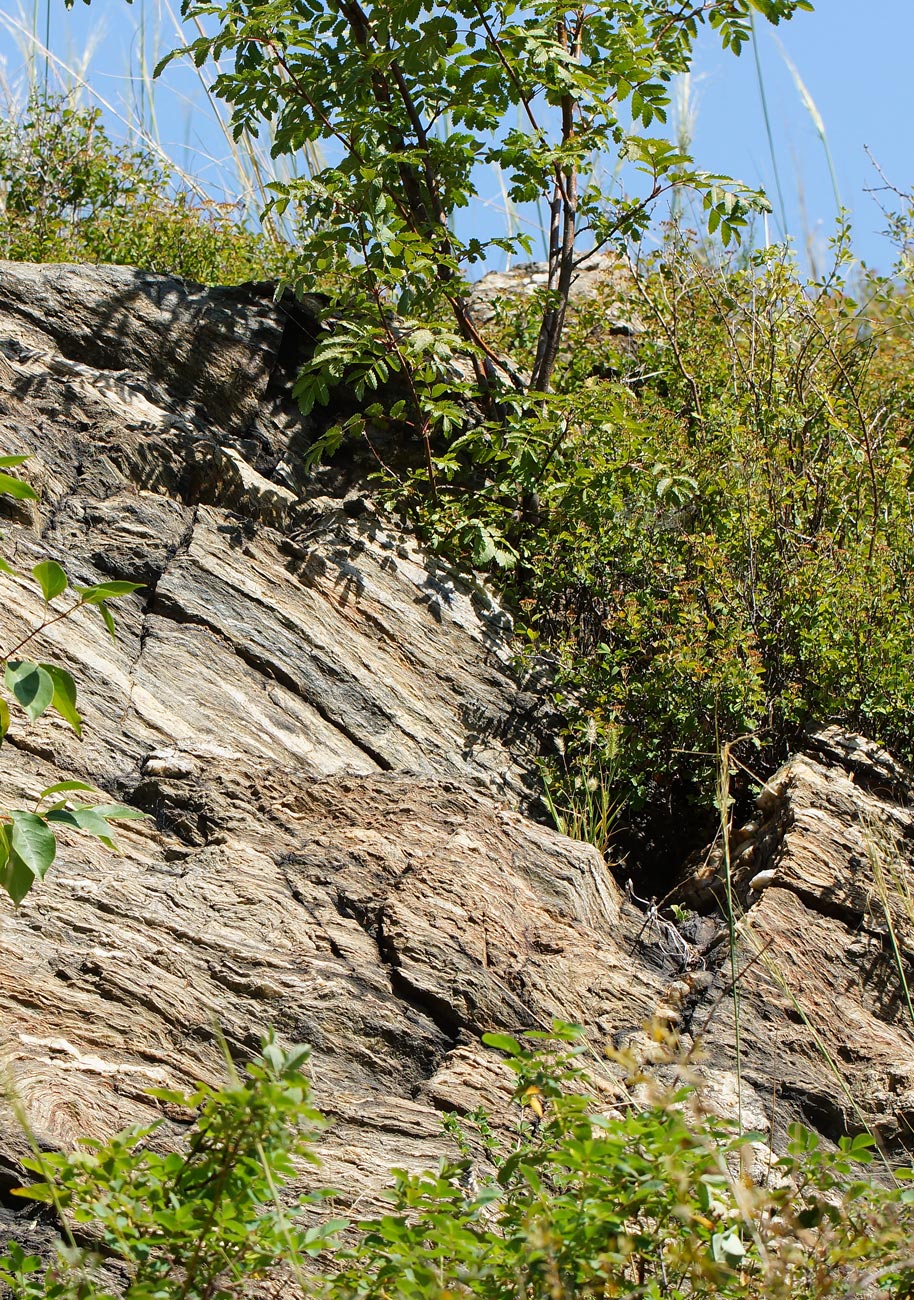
326 728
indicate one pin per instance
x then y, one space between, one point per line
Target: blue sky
855 58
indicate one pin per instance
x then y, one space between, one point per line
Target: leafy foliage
413 100
28 838
203 1223
707 527
572 1200
648 1201
71 195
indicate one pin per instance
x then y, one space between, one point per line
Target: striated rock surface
326 728
823 879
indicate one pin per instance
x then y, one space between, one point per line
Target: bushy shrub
574 1199
709 524
202 1223
68 193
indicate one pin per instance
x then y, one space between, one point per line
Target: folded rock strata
326 728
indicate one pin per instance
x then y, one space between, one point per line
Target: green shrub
69 194
709 524
202 1223
414 100
579 1200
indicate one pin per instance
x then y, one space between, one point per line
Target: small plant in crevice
580 791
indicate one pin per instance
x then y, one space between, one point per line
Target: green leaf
64 698
15 487
6 568
32 686
119 812
43 1192
33 840
51 578
107 619
8 462
103 591
532 1177
504 1043
726 1247
84 819
16 877
60 786
4 719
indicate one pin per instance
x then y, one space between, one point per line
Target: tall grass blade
810 105
723 803
60 65
880 850
763 95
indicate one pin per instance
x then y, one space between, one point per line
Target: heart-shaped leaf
33 840
64 697
32 686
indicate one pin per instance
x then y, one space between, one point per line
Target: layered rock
822 879
326 728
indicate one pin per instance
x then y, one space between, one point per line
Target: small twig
4 656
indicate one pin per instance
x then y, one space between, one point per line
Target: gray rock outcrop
326 728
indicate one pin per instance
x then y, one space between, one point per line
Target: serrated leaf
16 487
64 697
33 840
483 546
51 578
32 686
